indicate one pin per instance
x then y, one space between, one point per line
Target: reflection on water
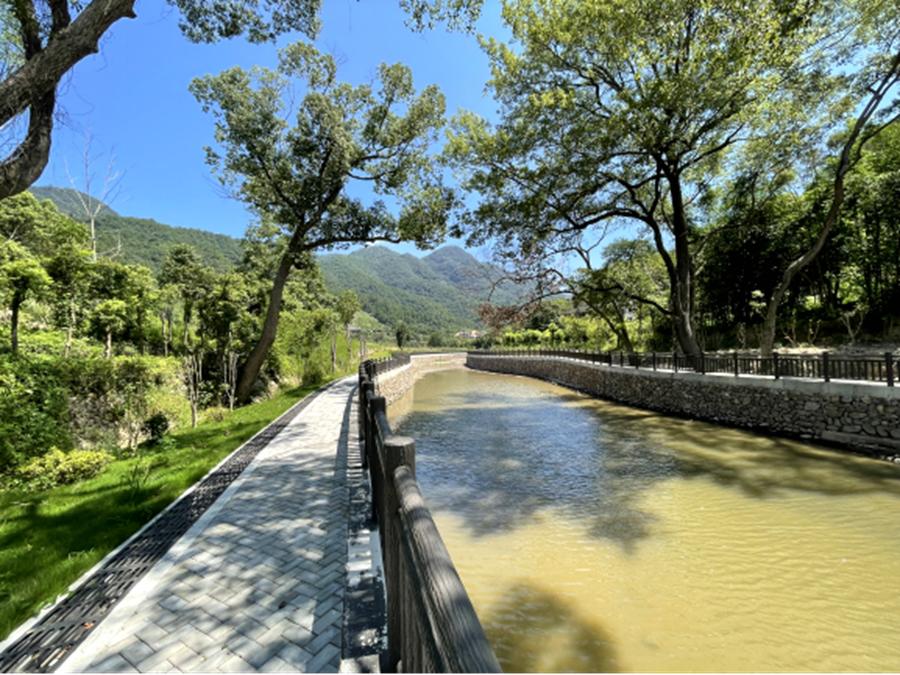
597 537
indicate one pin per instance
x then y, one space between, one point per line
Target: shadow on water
528 618
496 450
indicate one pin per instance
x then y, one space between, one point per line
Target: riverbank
861 416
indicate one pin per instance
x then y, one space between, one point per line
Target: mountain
145 241
440 292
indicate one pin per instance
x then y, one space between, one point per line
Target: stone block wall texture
861 416
393 384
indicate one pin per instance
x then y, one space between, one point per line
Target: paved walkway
257 584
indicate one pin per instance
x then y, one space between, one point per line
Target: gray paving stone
296 656
114 663
326 660
257 584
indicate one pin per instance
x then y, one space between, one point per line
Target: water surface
596 537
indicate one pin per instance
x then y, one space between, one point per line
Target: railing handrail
825 366
432 625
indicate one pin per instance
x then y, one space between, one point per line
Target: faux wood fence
432 626
823 366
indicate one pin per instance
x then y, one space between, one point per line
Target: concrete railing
432 626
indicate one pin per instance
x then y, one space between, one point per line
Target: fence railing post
889 368
398 451
826 367
737 366
675 361
702 362
377 404
775 365
653 359
621 359
364 390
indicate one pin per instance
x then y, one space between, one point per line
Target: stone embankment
395 383
861 416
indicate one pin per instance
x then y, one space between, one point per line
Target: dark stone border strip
364 629
46 644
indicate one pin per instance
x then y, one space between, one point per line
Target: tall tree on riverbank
874 89
293 171
626 113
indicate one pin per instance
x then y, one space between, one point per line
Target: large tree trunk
32 86
42 72
257 356
26 163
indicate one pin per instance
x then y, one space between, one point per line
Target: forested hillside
441 291
143 241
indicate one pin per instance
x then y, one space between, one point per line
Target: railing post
675 361
826 371
653 358
702 362
377 404
889 365
366 387
775 365
737 366
398 451
621 359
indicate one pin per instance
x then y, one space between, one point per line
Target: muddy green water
595 537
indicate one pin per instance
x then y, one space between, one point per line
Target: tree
347 306
401 334
626 112
69 268
183 270
21 275
92 205
875 84
48 41
34 232
110 317
295 176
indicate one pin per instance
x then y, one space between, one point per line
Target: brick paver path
257 583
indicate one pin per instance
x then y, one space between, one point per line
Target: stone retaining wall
862 416
393 384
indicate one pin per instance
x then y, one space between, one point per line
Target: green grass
48 539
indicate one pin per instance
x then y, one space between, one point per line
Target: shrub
313 373
33 409
156 427
60 468
215 414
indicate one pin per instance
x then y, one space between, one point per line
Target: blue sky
133 99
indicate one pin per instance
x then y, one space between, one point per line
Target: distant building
468 334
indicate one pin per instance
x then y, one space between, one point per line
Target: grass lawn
48 539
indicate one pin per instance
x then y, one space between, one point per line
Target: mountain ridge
439 292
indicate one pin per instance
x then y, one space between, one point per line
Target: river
596 537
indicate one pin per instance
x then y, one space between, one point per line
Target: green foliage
34 413
156 427
439 292
140 241
61 468
401 334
